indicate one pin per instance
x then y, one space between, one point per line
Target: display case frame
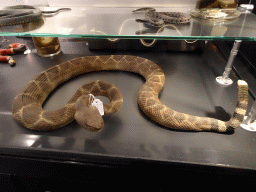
147 146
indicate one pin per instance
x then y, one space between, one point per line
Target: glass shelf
119 23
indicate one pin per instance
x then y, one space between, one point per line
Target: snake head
88 116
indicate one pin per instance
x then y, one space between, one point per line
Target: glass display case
190 55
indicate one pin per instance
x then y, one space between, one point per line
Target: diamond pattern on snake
159 19
27 105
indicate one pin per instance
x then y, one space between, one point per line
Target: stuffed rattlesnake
27 105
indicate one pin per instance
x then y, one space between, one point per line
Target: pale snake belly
27 106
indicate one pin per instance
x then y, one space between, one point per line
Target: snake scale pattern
27 106
159 19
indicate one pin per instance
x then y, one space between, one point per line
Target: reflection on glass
4 39
30 140
221 4
216 10
249 122
113 23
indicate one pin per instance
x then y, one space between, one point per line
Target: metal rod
224 79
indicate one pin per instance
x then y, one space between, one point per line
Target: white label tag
97 103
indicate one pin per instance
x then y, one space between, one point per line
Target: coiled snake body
27 106
158 19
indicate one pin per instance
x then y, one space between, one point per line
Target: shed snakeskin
27 106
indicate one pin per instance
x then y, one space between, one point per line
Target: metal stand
224 79
249 122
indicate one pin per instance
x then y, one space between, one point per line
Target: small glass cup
47 46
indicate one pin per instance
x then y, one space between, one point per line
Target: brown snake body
27 106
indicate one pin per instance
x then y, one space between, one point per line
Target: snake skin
158 19
27 106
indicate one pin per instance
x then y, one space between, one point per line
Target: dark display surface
129 135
